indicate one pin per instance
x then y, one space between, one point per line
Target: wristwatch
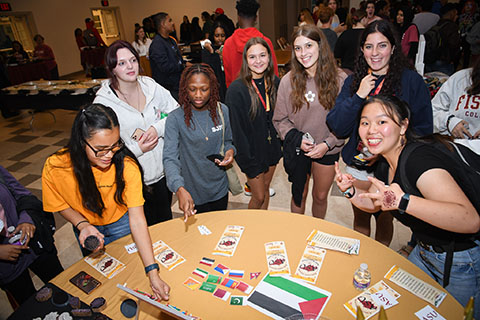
349 194
151 267
402 206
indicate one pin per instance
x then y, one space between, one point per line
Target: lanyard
267 105
378 88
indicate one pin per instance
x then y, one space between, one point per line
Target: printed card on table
428 313
277 259
310 263
104 263
191 283
331 242
166 256
370 305
229 240
238 300
416 286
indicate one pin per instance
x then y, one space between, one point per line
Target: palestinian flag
284 296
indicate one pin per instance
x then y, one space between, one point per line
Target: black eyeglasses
103 152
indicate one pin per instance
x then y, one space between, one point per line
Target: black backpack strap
402 163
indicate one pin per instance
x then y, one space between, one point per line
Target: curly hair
247 8
397 63
184 98
268 75
326 70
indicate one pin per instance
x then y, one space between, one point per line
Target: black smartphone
212 157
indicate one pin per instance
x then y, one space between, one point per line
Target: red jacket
233 51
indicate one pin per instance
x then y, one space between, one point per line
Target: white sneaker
247 192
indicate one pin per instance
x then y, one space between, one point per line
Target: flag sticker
229 283
201 273
214 279
222 269
242 286
236 273
191 283
209 287
207 261
238 300
221 294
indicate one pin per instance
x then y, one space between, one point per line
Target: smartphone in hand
137 134
212 157
307 136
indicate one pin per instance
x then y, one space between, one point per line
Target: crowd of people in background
352 91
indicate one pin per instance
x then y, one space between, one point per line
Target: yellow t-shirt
60 189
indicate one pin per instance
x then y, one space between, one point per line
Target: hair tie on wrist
76 226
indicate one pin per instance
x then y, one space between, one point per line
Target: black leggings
220 204
46 267
158 202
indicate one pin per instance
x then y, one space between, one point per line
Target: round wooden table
261 226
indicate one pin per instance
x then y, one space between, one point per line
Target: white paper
131 248
384 298
428 313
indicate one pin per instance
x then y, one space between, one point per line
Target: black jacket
166 62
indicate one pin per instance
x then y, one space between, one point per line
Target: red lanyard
377 90
267 105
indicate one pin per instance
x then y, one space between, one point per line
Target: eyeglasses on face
103 152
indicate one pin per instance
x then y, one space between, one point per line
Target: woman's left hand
151 134
386 197
160 288
318 151
28 230
476 135
227 159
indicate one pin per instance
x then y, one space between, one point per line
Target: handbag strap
220 112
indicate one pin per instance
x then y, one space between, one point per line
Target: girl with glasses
96 185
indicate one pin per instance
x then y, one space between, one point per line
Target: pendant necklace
206 129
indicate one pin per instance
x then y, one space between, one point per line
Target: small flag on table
221 294
221 268
229 283
236 273
214 279
242 286
201 273
210 287
254 275
206 261
238 300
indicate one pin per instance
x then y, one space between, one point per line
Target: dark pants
46 267
220 204
158 202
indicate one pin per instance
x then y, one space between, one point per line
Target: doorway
107 22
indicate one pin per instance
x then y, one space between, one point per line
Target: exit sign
5 6
104 3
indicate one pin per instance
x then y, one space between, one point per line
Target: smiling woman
96 185
380 68
305 96
251 99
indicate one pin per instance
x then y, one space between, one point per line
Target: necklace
206 129
138 98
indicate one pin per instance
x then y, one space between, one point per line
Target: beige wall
57 19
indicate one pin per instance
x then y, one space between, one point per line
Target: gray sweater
186 150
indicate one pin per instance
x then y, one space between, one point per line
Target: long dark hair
475 87
87 122
217 24
326 74
137 38
407 18
111 59
184 99
268 76
396 65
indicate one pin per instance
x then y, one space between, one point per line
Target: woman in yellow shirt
96 184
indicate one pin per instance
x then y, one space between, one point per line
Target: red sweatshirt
233 51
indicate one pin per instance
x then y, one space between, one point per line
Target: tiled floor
23 152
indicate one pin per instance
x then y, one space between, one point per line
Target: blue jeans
464 276
112 231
